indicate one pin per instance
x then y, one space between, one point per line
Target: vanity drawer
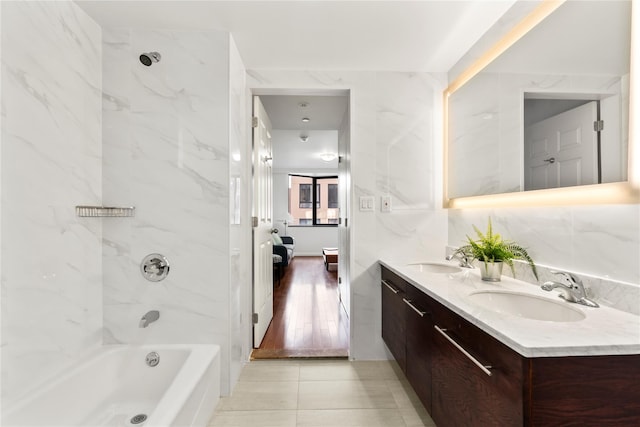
476 380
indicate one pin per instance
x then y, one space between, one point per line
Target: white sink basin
434 267
526 306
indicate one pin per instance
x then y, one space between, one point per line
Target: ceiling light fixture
327 157
306 119
304 138
303 104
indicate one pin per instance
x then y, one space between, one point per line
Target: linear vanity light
105 211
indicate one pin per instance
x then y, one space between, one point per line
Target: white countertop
604 330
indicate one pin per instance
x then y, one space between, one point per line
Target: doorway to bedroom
309 138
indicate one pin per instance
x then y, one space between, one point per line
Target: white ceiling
392 35
287 111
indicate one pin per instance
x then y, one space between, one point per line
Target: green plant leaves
490 247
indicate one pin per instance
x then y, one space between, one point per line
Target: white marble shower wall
395 143
51 161
166 152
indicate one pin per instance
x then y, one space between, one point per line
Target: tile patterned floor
321 393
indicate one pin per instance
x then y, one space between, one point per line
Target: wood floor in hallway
308 319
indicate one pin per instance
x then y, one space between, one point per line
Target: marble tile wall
240 278
601 243
395 143
166 152
51 162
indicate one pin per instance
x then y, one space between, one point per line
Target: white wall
166 151
395 146
51 162
240 279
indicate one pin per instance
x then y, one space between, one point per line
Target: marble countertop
603 331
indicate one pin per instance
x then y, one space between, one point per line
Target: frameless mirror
550 111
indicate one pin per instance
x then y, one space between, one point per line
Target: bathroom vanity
471 365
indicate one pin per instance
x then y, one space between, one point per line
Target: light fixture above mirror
484 111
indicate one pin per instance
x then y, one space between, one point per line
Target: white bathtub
115 384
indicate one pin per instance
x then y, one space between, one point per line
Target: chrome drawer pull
413 307
485 368
394 290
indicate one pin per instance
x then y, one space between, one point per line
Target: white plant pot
491 271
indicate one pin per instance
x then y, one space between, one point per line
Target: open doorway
310 178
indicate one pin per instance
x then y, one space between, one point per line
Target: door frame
345 222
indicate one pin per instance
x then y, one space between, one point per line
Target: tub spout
148 318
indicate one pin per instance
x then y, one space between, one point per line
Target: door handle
550 160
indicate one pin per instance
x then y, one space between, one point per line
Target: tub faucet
573 292
463 257
148 318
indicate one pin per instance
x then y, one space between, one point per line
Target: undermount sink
526 306
434 267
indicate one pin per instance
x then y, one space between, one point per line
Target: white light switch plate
366 203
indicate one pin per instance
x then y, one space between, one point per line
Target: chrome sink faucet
148 318
462 257
573 292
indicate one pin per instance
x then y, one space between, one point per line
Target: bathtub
115 387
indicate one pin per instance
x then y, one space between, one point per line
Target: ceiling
287 111
392 35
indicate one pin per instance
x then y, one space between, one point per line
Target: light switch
385 204
366 203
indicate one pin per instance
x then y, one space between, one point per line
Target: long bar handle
413 307
394 290
485 368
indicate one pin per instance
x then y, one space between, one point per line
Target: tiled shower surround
51 161
166 132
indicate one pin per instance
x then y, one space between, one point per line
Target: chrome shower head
149 58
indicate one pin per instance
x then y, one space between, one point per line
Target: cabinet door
393 316
419 344
476 380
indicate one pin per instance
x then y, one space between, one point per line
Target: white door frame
344 221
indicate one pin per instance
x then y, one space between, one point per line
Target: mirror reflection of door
562 151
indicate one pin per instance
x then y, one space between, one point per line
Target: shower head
149 58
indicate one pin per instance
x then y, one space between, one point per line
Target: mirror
550 110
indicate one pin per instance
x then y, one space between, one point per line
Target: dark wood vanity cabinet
394 316
419 343
475 379
465 377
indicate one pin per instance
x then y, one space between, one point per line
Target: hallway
308 320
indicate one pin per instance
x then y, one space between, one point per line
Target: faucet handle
572 278
574 281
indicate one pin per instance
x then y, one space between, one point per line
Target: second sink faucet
573 292
148 318
463 257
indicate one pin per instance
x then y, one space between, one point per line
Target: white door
561 151
262 223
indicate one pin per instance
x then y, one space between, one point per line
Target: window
306 196
313 201
333 196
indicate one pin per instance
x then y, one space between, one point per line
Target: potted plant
493 252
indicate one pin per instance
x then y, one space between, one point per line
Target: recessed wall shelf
105 211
